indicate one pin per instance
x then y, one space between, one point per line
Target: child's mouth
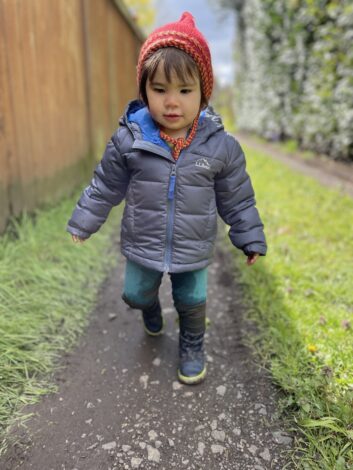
171 117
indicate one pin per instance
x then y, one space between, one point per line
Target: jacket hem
159 265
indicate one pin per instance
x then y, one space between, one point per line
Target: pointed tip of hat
187 17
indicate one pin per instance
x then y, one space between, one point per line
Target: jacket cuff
255 248
78 232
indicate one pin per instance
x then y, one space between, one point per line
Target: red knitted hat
183 35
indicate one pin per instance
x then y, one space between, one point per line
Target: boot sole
154 333
196 379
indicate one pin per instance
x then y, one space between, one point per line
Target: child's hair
174 60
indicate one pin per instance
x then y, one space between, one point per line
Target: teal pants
189 290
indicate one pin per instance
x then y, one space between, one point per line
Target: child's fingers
252 259
77 239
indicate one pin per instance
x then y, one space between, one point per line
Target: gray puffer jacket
170 216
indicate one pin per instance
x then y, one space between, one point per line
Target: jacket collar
140 123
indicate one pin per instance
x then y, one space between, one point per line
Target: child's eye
158 90
185 91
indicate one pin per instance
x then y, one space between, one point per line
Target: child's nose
171 99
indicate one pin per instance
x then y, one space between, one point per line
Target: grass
301 298
48 286
291 146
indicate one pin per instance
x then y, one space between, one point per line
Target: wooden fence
67 68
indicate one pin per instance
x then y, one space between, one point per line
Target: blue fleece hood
138 113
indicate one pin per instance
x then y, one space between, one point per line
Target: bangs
174 60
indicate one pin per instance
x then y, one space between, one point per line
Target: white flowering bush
295 72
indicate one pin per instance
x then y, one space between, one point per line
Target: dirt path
330 173
120 406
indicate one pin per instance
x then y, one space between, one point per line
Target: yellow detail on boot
152 333
194 379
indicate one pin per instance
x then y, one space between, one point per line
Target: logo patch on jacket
203 163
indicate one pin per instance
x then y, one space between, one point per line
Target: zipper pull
172 183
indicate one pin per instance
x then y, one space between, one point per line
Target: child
176 167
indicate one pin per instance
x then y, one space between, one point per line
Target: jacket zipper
170 218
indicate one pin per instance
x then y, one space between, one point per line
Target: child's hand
252 258
77 239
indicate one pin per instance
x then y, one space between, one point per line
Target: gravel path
328 172
119 404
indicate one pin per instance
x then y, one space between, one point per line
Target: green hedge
295 72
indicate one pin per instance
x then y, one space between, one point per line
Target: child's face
173 105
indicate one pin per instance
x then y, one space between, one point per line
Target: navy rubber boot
153 320
192 367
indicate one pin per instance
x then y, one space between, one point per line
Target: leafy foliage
143 11
295 77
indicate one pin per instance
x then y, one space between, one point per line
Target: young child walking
176 167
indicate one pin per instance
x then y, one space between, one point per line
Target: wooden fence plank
5 129
66 71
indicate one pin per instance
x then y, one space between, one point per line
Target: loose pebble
109 445
253 449
168 310
201 426
144 380
177 386
201 448
209 358
237 431
93 446
218 435
135 462
265 455
281 438
217 449
221 390
153 454
152 435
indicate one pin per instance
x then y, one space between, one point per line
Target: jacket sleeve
236 202
107 189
